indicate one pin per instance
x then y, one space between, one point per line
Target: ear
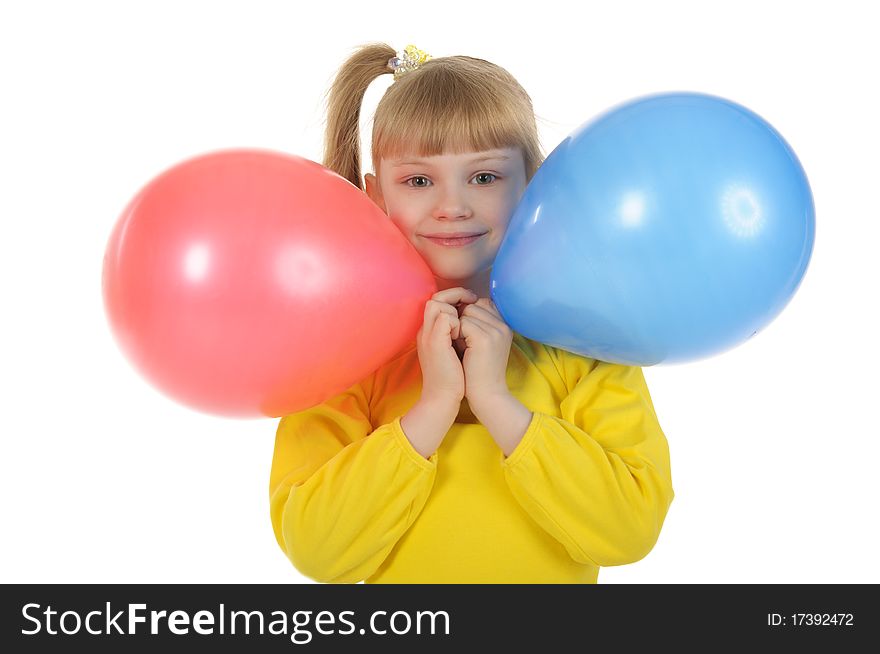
373 191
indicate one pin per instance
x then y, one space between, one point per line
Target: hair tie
410 59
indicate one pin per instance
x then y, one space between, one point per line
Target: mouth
453 240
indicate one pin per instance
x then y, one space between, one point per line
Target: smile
454 242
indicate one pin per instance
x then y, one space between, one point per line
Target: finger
453 296
446 328
471 327
489 305
433 308
446 320
483 313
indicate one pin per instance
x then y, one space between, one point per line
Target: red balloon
249 283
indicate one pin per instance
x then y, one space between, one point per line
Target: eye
417 177
484 175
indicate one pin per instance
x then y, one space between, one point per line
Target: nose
451 205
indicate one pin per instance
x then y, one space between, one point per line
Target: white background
103 479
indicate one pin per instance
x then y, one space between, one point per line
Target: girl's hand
442 373
488 340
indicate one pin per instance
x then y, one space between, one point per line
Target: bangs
428 116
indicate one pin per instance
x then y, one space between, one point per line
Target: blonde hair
447 105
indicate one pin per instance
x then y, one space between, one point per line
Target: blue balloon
669 229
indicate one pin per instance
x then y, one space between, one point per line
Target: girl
476 455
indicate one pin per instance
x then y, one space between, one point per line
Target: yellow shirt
589 485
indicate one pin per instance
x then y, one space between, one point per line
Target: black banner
169 618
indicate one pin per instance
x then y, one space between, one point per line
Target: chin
457 275
450 266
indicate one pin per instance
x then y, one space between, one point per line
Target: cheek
403 225
502 219
511 207
495 245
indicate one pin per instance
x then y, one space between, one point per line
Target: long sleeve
341 492
597 477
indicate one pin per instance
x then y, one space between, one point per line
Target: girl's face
454 208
